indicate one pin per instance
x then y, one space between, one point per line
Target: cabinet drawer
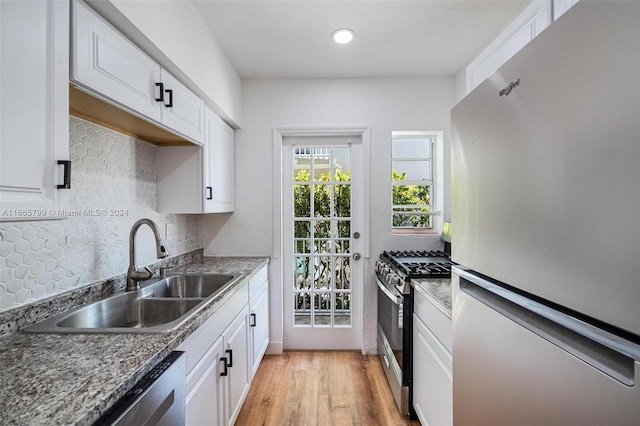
258 280
434 318
209 359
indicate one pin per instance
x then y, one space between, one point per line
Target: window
413 185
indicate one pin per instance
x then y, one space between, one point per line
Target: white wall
175 34
383 104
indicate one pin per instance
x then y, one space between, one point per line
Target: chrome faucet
135 275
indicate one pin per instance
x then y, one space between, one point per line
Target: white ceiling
291 39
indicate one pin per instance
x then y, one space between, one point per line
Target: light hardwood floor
320 388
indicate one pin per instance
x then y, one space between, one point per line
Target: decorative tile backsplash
113 184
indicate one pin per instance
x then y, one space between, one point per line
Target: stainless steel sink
158 307
185 286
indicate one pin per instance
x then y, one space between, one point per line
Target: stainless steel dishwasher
157 399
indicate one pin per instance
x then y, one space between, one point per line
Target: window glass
412 181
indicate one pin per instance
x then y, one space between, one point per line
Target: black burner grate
419 264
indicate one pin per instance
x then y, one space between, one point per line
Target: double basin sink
159 306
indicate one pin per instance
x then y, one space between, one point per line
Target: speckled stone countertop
72 379
438 291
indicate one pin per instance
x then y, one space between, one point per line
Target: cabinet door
237 350
183 111
34 107
259 326
109 64
219 166
205 389
432 377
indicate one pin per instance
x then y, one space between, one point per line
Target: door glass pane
301 197
322 200
301 246
343 273
343 309
323 273
321 164
342 164
303 273
301 229
322 309
342 229
342 201
302 309
322 246
342 246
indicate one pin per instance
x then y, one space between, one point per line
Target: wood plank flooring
321 388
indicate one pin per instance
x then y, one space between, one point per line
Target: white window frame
436 183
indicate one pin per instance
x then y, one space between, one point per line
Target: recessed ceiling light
343 35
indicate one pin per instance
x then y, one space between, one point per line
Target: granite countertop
72 379
438 291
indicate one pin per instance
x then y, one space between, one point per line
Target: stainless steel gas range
394 271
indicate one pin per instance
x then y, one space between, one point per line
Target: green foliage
322 204
410 195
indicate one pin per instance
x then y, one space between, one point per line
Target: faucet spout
134 275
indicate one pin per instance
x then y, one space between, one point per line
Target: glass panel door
322 281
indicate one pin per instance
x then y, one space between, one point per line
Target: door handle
253 320
357 256
230 353
209 193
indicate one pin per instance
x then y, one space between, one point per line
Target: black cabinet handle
253 320
230 353
160 97
225 372
170 93
67 174
209 193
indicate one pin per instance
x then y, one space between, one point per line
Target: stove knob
394 281
379 266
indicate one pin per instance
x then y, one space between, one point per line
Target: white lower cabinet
258 318
237 360
432 364
205 389
221 357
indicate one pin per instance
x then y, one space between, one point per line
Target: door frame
277 255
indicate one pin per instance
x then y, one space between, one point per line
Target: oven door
391 342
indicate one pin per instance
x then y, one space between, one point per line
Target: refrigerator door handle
608 352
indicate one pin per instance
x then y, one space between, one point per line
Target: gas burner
418 264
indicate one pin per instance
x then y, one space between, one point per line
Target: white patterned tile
109 170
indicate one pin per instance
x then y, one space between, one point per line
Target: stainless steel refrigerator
546 229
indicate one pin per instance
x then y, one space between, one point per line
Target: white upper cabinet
219 166
106 61
110 66
193 179
183 110
34 105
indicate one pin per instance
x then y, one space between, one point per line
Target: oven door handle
398 300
